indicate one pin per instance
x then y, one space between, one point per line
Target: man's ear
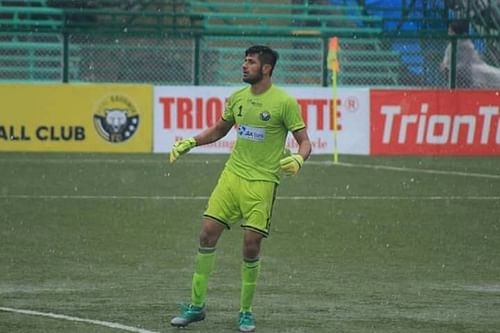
267 68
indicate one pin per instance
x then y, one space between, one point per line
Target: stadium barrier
179 42
143 118
76 118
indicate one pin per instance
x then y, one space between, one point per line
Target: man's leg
204 264
250 270
256 205
205 260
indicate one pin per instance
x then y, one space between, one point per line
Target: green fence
216 59
181 42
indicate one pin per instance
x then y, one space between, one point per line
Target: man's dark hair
460 27
267 56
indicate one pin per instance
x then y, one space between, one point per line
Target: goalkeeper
263 115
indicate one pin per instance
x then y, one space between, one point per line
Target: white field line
76 319
430 171
218 161
321 197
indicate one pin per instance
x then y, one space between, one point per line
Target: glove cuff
192 142
299 159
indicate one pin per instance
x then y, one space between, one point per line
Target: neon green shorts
235 198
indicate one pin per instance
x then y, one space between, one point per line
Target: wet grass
409 248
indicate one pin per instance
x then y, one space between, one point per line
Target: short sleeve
228 114
292 117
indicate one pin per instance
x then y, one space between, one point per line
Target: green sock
249 274
204 265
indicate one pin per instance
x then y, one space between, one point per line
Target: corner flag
333 65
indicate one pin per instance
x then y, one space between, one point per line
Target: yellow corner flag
333 65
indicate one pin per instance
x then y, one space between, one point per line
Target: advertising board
76 118
435 122
184 111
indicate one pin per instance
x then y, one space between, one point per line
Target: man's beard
254 79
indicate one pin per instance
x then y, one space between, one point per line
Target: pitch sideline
340 164
77 319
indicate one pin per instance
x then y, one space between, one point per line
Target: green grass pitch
370 245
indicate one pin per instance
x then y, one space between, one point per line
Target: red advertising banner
434 122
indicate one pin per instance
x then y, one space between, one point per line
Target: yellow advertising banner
76 117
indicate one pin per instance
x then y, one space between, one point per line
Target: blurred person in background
471 71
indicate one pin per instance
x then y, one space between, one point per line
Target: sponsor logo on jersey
251 133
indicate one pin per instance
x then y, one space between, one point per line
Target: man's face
252 69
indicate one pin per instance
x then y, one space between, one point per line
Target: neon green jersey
263 122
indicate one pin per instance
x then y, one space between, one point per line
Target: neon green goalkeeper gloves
181 147
290 165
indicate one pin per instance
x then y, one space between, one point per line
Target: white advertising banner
184 111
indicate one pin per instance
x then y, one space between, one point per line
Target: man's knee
207 239
251 244
210 233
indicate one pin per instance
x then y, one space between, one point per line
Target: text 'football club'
42 133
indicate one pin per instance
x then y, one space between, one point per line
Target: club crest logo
265 116
116 119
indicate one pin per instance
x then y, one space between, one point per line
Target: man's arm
214 133
302 139
290 165
445 63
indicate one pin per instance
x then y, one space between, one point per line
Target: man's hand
181 147
290 165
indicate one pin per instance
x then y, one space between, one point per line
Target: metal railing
163 46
